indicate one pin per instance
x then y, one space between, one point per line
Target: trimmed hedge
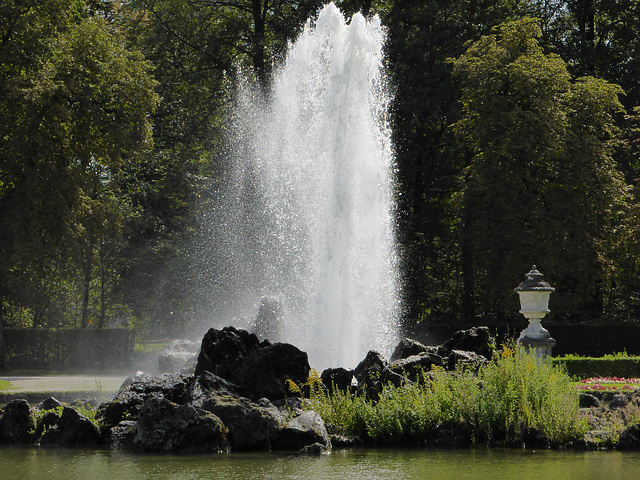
594 340
609 366
68 349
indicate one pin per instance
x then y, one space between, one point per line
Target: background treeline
515 127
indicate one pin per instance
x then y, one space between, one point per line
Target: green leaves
77 106
541 183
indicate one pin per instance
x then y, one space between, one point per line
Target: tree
422 35
76 105
197 47
541 185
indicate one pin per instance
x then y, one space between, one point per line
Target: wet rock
48 404
314 450
139 377
465 358
16 422
125 406
164 426
289 406
265 371
588 401
71 430
408 347
270 320
337 379
373 373
127 403
47 421
618 401
345 441
250 426
414 366
122 435
630 438
277 411
223 351
207 382
476 339
303 430
178 355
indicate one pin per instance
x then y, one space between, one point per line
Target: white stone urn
534 296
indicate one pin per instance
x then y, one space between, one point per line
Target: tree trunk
585 16
84 319
468 267
103 289
1 333
259 28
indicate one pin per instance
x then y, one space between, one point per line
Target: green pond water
479 464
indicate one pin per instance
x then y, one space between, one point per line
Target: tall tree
197 47
422 35
541 186
76 105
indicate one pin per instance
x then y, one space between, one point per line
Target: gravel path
64 383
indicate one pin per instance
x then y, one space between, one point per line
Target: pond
372 464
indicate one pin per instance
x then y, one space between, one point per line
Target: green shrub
494 406
517 394
615 365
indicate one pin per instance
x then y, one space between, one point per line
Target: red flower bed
608 383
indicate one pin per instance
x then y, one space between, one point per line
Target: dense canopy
515 129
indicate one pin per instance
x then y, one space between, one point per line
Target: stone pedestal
537 339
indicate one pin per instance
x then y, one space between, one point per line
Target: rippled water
51 464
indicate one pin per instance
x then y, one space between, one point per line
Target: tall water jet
305 222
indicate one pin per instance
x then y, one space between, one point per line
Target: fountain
304 217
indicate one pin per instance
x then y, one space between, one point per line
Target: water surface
481 464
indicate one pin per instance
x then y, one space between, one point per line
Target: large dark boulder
223 351
408 347
164 426
178 356
337 379
47 420
122 435
414 366
139 377
50 403
373 373
207 382
270 320
618 401
630 438
465 359
372 365
71 430
588 400
265 371
125 406
16 423
303 430
127 403
250 426
475 339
